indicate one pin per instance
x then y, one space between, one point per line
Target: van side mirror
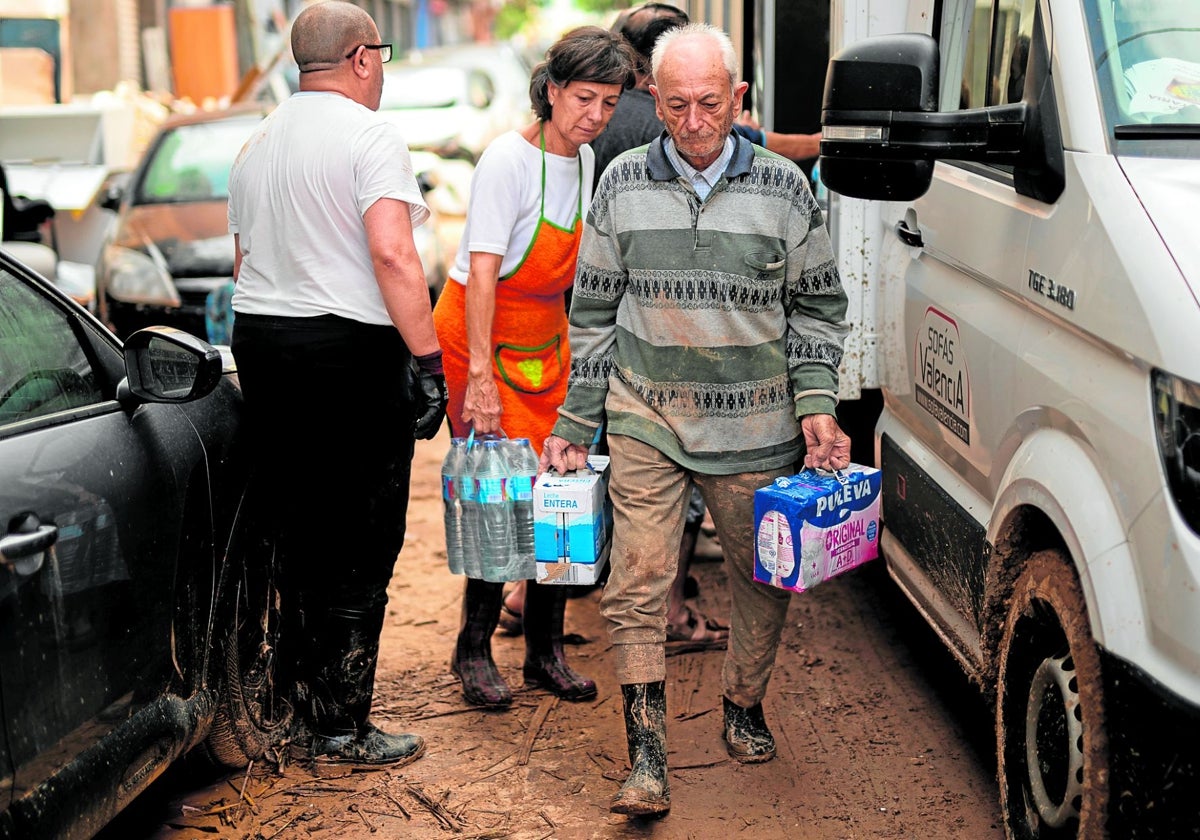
865 82
881 130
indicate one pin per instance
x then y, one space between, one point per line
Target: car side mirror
165 365
881 131
111 200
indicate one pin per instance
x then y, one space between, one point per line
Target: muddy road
879 734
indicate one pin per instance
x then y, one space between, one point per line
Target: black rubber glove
429 394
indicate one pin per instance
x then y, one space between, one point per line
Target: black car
121 573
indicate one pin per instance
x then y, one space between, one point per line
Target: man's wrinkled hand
562 455
429 402
827 446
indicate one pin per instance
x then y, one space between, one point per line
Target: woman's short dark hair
585 54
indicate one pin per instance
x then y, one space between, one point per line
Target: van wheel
1051 733
254 713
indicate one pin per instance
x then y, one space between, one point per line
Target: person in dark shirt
635 121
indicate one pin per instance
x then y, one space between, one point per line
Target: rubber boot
472 661
747 737
545 663
342 659
646 793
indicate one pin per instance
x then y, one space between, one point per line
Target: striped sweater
704 328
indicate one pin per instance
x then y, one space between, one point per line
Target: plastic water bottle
468 496
495 513
523 466
453 472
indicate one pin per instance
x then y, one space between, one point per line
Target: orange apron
531 358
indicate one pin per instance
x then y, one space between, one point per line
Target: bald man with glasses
340 368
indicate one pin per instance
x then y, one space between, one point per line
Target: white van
1016 199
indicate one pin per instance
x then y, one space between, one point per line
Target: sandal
698 632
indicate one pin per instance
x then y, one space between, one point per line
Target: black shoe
370 750
746 735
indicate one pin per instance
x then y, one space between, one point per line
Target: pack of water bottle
487 494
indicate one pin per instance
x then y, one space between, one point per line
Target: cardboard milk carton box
815 525
572 523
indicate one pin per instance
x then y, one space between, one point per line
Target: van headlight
134 277
1177 421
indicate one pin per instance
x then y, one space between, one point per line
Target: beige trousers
650 494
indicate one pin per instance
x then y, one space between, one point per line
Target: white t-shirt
297 195
506 199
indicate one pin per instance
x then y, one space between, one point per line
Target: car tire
1051 729
254 712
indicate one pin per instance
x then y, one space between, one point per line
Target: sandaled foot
696 632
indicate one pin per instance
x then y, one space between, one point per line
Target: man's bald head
323 33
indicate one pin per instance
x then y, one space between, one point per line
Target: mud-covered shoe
371 749
746 734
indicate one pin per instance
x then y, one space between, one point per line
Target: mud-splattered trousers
650 496
330 418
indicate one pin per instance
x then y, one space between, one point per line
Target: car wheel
1051 732
254 712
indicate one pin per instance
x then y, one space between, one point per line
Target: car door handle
908 235
14 548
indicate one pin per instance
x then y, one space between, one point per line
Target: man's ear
658 108
739 90
359 64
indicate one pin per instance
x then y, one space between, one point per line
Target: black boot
646 792
746 735
340 685
545 663
472 661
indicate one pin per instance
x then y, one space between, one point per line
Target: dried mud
879 735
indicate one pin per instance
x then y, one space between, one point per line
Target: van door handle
908 235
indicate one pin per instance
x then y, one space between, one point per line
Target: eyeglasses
385 51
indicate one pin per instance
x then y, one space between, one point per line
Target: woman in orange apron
503 326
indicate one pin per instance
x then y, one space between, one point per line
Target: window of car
192 162
1147 60
985 47
44 369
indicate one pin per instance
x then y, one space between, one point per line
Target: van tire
1050 703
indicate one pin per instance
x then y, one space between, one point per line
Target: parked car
455 100
170 260
121 470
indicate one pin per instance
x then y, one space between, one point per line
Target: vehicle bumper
1154 740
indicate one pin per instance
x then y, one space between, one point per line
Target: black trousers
330 419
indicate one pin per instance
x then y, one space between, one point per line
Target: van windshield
1147 58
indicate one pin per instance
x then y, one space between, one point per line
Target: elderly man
708 323
340 367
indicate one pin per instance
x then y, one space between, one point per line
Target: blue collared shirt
702 182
